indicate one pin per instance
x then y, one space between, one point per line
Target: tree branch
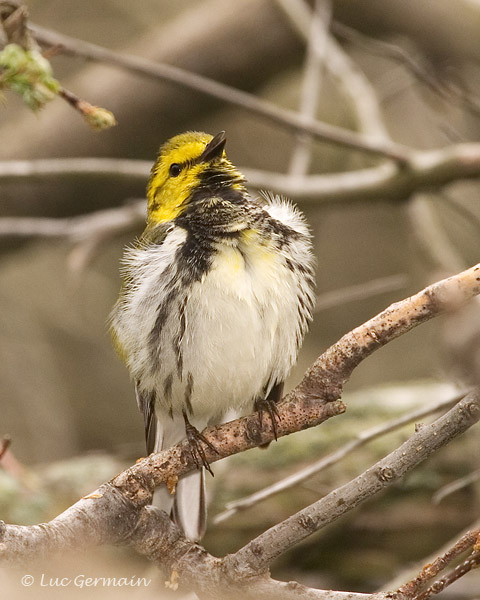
359 291
429 169
132 170
455 486
265 548
317 40
327 461
412 588
280 116
356 88
332 369
101 223
118 511
419 67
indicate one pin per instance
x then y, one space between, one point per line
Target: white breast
240 335
240 326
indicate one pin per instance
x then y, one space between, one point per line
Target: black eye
175 170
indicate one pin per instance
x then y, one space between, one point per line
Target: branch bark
428 170
119 512
269 111
327 461
431 570
264 549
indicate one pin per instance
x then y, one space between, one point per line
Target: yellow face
176 173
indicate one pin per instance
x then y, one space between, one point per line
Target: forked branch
118 511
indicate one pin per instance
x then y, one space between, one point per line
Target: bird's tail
190 507
187 506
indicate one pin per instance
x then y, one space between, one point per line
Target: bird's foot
195 440
270 407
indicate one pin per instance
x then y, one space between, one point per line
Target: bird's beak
214 148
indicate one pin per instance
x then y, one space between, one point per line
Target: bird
217 296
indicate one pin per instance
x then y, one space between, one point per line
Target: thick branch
428 170
316 396
261 551
361 439
117 513
333 368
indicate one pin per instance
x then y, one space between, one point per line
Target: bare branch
431 570
110 515
472 562
356 88
430 169
99 224
261 551
423 73
303 474
118 513
207 575
283 117
455 486
360 291
311 84
335 365
12 170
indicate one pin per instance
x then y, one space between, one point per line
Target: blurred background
408 70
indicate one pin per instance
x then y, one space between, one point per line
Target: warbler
216 299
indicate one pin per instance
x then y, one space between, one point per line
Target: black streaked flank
177 340
167 387
188 393
163 313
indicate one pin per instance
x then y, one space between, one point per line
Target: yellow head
184 164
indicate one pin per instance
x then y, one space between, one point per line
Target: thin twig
472 562
110 221
260 552
283 117
98 118
455 486
423 73
412 588
356 88
360 291
311 84
362 438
